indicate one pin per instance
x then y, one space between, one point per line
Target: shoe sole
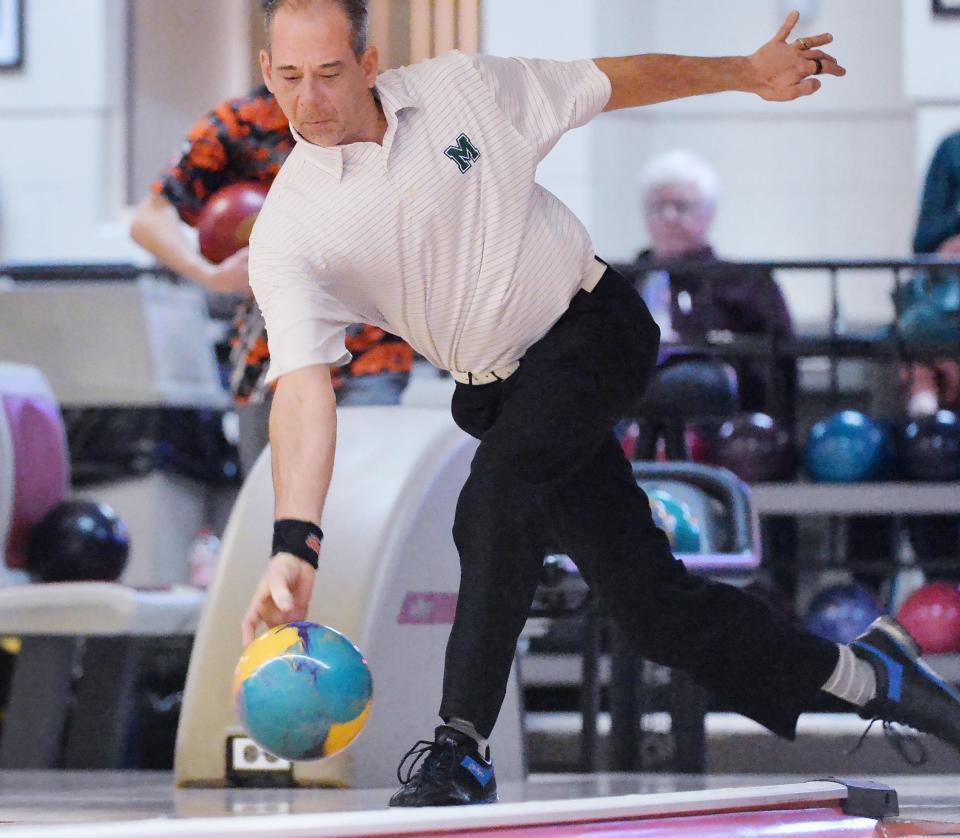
443 805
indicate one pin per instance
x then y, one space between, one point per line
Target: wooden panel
381 12
444 26
468 25
421 25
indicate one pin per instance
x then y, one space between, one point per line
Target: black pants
549 476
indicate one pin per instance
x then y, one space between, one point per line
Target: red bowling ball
227 218
932 615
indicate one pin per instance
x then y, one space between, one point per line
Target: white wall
835 175
565 30
187 57
831 176
932 76
64 147
62 116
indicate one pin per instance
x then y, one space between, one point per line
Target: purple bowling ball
841 613
755 448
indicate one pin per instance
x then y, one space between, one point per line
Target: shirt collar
394 98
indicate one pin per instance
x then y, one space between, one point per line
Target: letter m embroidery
463 153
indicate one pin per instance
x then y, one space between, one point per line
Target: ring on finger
802 43
819 69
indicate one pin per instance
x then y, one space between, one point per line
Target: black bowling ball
76 541
690 388
930 448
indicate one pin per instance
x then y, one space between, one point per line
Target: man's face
320 85
678 218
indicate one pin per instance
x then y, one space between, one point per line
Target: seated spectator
936 386
679 193
678 196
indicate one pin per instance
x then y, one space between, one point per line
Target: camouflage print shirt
247 139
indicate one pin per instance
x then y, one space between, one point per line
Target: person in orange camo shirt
247 139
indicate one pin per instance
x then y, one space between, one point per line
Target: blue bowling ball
849 447
302 691
841 612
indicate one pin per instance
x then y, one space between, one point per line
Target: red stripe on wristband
299 538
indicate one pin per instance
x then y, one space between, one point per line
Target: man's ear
370 64
265 69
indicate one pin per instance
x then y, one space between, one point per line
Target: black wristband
299 538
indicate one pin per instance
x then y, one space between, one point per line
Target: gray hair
355 10
680 166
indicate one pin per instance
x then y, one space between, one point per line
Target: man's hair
355 10
679 166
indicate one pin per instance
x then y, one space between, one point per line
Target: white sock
853 680
468 729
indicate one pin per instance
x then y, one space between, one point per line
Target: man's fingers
814 41
807 87
248 628
825 66
787 28
831 68
280 593
817 53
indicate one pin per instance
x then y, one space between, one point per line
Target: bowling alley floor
47 798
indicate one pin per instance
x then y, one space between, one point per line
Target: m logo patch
464 153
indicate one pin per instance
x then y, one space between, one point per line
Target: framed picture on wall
946 7
11 34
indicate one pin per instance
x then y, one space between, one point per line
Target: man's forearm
156 227
303 435
647 79
779 71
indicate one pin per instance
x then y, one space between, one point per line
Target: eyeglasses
675 207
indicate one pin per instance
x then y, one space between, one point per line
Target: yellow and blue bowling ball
302 691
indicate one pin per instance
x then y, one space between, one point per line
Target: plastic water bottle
656 294
203 557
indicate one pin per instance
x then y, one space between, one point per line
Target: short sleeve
544 99
305 325
201 167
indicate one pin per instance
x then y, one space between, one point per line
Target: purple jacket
742 300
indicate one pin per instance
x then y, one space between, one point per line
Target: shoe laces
909 747
435 768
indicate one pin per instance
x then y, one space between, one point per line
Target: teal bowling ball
849 447
302 691
676 520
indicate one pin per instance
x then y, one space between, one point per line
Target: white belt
594 273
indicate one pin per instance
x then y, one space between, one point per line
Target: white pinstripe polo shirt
440 235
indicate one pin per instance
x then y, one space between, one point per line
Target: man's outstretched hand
784 71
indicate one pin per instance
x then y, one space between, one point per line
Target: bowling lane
31 800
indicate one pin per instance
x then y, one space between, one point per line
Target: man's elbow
140 224
312 384
146 216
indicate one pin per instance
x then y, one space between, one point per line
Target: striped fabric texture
441 234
